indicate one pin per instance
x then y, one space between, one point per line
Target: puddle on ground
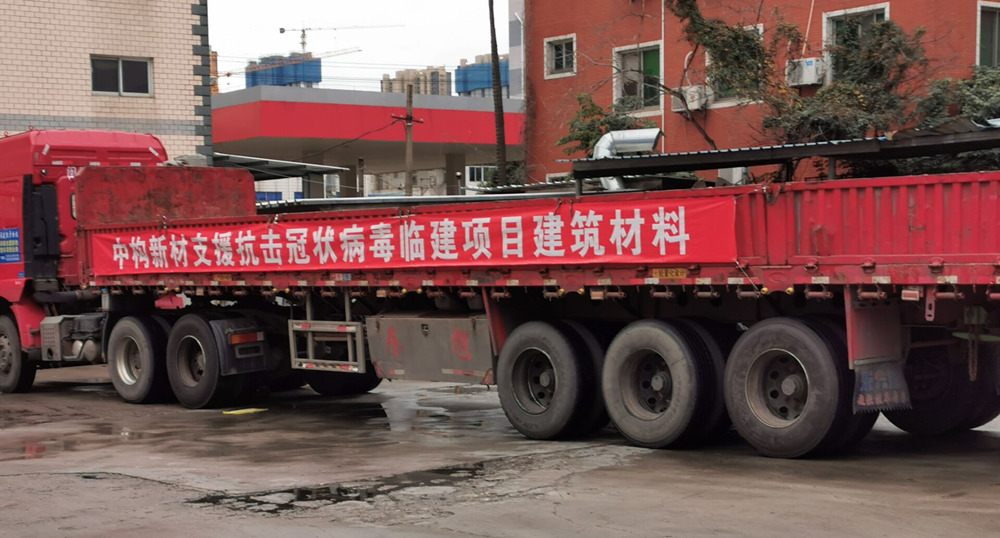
424 482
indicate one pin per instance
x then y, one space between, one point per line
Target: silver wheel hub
793 385
658 382
545 379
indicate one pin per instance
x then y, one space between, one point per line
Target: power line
355 139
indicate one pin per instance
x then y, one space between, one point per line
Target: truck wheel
713 343
136 361
941 394
987 401
654 384
193 365
784 388
344 384
592 414
856 425
539 381
16 373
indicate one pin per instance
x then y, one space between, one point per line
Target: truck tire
342 383
136 360
17 374
853 426
987 400
941 395
657 384
713 343
539 381
592 414
784 388
193 366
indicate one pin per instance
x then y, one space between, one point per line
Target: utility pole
408 119
408 183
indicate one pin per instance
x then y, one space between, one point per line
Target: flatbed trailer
795 312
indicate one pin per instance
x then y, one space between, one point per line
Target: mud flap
880 386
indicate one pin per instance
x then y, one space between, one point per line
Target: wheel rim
6 355
190 361
646 384
535 381
777 388
127 361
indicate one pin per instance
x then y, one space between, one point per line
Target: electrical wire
355 139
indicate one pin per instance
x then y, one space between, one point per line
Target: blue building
476 79
297 69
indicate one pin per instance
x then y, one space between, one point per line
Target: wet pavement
415 459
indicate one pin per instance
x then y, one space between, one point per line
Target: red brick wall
600 26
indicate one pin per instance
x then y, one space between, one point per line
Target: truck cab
38 226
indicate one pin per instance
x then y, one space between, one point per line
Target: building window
640 75
122 76
560 56
849 26
721 90
989 35
860 20
479 174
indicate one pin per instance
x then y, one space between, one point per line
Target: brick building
108 64
571 48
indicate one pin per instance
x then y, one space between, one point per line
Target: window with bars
640 75
560 56
122 76
989 37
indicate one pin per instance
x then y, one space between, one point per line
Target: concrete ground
424 459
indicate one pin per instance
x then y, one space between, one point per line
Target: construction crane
302 31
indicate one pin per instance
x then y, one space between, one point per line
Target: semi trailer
792 312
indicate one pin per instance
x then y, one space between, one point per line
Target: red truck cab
38 206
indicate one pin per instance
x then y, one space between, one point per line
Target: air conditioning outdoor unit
805 72
697 98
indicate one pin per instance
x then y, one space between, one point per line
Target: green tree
592 121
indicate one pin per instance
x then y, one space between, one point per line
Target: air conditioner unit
805 72
697 98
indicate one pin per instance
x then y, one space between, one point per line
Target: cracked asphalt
425 459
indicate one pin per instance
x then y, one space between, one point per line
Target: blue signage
10 245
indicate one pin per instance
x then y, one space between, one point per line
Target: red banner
696 230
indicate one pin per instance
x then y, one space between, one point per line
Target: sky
411 34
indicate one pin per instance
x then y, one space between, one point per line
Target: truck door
41 230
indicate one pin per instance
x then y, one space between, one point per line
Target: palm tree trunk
501 177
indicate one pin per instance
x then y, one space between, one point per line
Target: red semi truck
794 312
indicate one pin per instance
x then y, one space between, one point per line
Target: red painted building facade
572 48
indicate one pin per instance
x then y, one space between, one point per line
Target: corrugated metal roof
954 137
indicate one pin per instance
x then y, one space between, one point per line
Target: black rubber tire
715 421
987 402
539 381
858 425
342 383
645 355
17 374
198 383
794 346
942 408
592 414
137 360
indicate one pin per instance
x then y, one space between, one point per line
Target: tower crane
302 31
